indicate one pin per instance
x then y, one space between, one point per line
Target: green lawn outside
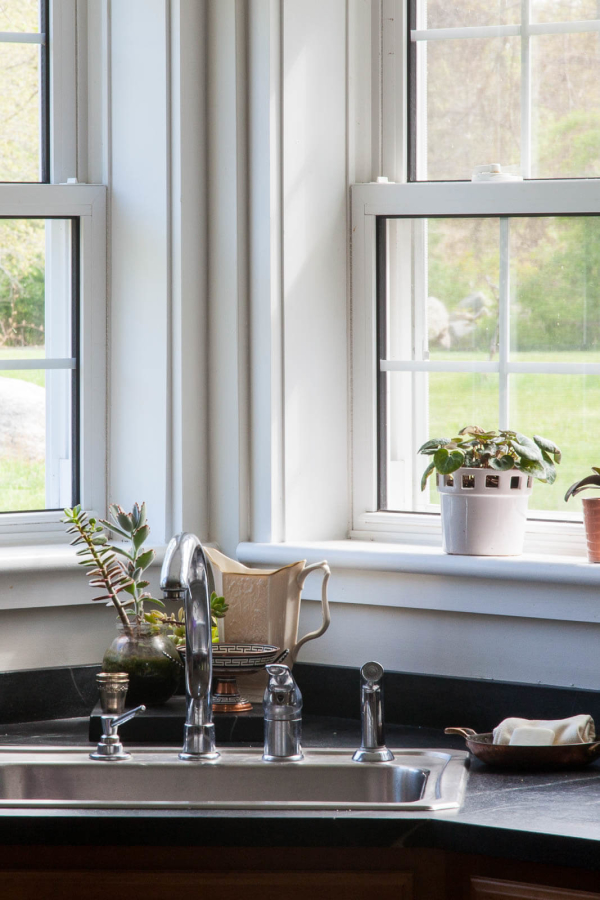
563 408
35 376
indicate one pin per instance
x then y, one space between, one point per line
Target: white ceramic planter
484 513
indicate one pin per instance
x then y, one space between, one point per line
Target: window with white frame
52 251
478 303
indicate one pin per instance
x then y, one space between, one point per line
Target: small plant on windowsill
591 512
145 653
485 479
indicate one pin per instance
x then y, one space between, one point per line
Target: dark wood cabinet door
495 889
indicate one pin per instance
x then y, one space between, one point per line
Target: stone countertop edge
544 817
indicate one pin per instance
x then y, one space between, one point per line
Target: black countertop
551 817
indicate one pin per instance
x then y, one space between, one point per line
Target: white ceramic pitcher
264 604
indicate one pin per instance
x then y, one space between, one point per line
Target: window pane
445 402
20 15
471 114
555 289
563 10
565 409
36 440
440 14
20 142
566 105
463 284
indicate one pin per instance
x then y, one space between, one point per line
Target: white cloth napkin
576 730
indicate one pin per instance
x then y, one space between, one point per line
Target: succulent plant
475 448
176 623
590 481
122 578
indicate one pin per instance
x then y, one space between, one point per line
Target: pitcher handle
324 603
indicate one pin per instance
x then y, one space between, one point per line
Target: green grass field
563 408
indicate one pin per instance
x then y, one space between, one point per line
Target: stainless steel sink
239 779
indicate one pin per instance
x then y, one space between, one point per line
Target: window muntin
24 99
511 84
508 337
38 364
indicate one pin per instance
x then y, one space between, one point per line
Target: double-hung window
477 302
52 278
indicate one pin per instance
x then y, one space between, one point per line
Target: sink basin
238 779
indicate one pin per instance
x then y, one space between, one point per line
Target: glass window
38 364
490 321
24 95
508 83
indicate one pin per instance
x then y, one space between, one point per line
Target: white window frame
415 200
88 204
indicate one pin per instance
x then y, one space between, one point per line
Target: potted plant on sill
147 654
485 479
591 512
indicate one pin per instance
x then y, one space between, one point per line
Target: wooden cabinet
273 873
495 889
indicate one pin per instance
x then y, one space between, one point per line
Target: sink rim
447 772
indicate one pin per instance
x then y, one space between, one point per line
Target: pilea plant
590 481
475 448
122 579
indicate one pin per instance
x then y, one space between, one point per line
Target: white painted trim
265 234
415 559
63 91
492 31
579 196
469 365
41 363
22 37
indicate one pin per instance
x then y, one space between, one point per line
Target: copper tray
555 756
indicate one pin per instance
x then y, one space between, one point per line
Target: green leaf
122 552
140 536
448 461
125 522
502 463
426 475
145 559
592 481
429 447
548 446
130 588
527 449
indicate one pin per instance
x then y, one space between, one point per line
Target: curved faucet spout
184 575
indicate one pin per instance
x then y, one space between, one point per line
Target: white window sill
381 574
44 575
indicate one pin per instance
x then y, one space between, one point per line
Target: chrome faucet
282 706
372 748
184 576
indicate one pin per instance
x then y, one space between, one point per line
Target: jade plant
590 481
175 624
119 571
475 448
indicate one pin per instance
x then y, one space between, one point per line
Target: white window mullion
420 349
525 89
504 326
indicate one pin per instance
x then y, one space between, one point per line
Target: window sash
414 201
86 204
527 29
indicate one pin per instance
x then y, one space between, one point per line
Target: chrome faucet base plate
198 757
381 755
297 758
123 754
